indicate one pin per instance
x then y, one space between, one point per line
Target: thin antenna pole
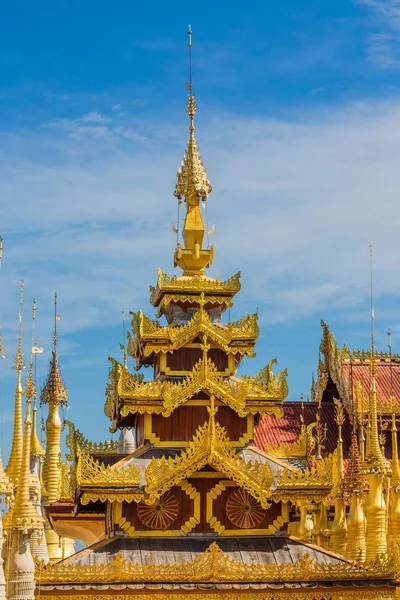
372 303
55 323
389 334
190 57
124 337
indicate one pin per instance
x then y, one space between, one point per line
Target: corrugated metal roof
387 378
286 429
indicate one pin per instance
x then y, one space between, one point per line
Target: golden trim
90 472
216 566
290 594
235 393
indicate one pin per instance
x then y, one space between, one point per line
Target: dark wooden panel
184 359
140 431
235 426
181 425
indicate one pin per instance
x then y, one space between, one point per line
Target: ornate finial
30 385
194 187
54 390
320 434
123 346
19 357
30 390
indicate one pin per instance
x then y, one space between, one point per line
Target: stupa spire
25 520
25 515
374 458
54 393
30 390
193 187
14 464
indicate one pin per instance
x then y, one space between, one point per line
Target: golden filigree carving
76 438
194 299
67 483
302 447
365 355
329 364
111 496
90 472
197 283
341 594
243 510
319 476
210 445
204 376
160 515
216 566
152 337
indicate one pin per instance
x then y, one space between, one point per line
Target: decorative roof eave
139 406
237 337
111 495
194 285
322 476
91 473
204 377
214 566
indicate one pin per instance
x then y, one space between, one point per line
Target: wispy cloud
93 220
384 44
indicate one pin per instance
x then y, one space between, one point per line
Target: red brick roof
285 430
387 378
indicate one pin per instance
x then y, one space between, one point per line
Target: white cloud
295 204
384 44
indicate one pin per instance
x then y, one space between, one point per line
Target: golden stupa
218 487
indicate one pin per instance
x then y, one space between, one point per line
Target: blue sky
298 123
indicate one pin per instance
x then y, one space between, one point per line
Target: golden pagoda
202 503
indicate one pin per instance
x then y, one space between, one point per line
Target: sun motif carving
161 514
243 510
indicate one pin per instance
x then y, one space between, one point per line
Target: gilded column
20 565
339 524
14 463
5 488
356 543
54 393
394 525
378 468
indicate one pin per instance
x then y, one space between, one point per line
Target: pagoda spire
14 463
38 542
30 391
194 187
354 486
377 466
54 393
25 519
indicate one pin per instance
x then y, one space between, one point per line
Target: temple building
218 486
